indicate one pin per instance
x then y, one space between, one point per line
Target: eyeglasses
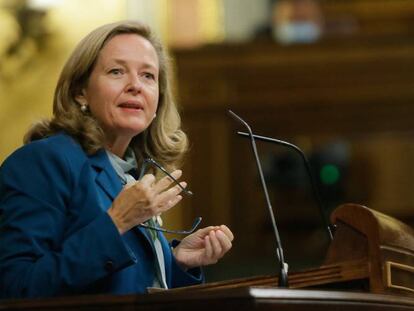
197 221
150 161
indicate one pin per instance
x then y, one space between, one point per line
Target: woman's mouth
131 106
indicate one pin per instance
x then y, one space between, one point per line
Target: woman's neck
118 146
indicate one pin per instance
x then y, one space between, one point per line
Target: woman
70 210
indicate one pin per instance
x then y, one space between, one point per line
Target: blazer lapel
106 177
109 181
147 235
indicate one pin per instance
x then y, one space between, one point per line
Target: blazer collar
106 177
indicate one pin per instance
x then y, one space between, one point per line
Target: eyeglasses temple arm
152 161
196 223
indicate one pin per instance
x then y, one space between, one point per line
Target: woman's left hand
204 247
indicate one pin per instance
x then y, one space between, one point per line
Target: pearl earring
84 108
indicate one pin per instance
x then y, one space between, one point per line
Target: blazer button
109 265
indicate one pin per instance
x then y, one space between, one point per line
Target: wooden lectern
371 252
369 266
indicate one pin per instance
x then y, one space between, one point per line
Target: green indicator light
329 174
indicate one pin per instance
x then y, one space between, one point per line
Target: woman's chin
132 130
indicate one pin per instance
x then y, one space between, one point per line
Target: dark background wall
347 100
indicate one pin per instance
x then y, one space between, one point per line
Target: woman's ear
80 99
83 103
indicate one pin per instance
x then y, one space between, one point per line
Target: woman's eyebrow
124 62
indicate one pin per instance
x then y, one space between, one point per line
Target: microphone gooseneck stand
283 266
322 209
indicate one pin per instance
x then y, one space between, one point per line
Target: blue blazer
55 235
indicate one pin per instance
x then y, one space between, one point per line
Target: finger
224 241
166 181
227 232
171 203
203 232
217 249
208 248
147 180
170 194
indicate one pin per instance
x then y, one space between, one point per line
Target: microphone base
283 279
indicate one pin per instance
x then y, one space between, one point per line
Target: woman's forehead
129 48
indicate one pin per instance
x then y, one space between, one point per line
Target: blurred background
334 77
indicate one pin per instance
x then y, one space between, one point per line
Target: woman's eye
115 71
149 75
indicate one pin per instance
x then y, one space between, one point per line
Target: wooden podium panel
370 252
384 243
240 299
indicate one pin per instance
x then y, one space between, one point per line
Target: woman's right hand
146 198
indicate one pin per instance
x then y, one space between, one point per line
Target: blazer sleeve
38 257
179 277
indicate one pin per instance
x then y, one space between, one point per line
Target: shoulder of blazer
59 145
56 151
46 168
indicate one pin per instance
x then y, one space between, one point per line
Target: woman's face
122 91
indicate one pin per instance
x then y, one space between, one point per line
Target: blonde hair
163 140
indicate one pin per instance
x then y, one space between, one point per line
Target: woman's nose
134 84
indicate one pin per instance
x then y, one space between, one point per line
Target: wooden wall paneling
357 91
208 169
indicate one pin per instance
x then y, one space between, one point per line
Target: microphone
322 209
283 266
